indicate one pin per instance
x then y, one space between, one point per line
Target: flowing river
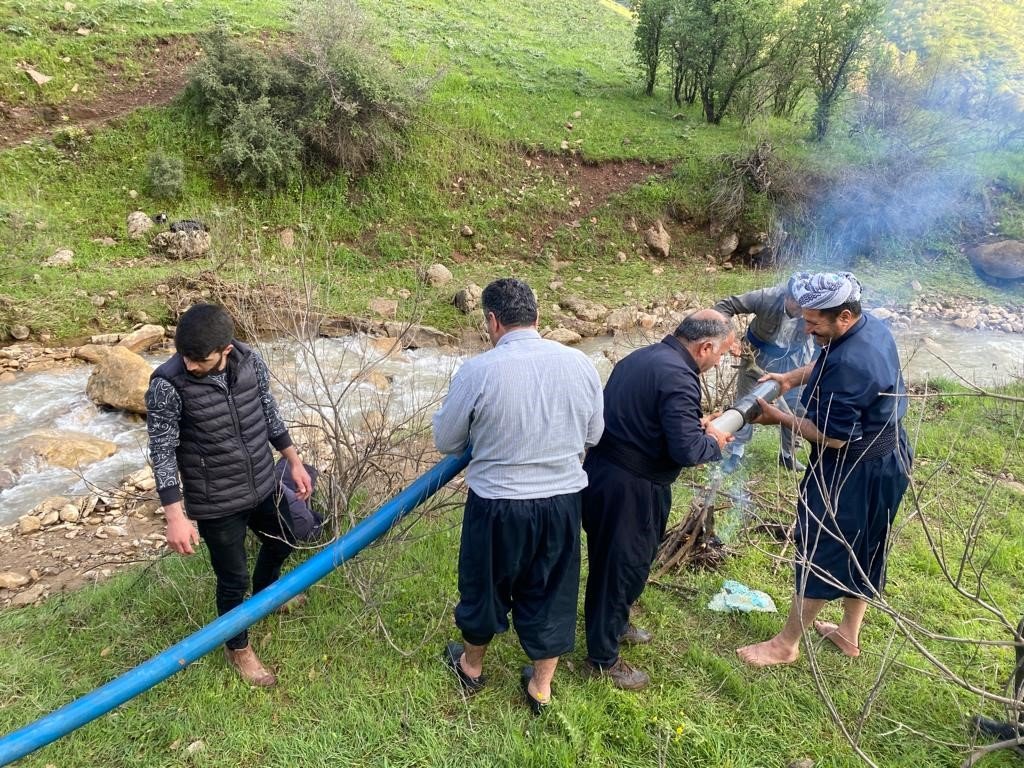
412 381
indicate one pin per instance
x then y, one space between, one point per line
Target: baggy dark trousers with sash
227 474
848 501
625 516
520 556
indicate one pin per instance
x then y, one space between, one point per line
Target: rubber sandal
536 705
451 655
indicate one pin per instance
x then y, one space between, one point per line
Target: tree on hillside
648 37
836 32
724 43
787 75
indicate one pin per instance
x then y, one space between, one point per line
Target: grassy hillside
507 81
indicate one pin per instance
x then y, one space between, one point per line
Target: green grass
348 696
44 34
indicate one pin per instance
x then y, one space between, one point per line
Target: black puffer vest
223 452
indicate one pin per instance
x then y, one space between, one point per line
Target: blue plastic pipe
129 685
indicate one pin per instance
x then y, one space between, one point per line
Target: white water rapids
418 379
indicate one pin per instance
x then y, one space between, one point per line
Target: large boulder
999 261
120 380
142 338
138 225
184 244
563 336
70 450
418 336
658 240
468 299
383 307
584 309
438 275
64 257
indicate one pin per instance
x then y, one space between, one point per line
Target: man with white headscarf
779 343
859 464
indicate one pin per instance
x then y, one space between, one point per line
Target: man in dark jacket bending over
212 418
653 428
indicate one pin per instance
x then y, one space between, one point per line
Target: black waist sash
868 447
636 462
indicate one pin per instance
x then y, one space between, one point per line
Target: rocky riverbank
66 541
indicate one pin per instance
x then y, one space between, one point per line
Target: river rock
620 319
728 244
386 346
376 379
1002 260
883 314
68 449
468 299
138 225
383 307
61 258
13 580
29 596
19 332
658 240
7 378
419 336
28 524
968 323
120 380
70 513
583 308
563 336
91 353
142 338
438 275
184 244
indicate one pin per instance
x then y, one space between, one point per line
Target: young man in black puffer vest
212 418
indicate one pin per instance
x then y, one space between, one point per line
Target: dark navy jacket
652 413
855 390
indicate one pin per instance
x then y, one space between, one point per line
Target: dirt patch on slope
165 63
588 185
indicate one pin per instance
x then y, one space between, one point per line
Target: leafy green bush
256 150
331 101
165 176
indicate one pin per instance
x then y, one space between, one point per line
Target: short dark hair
694 329
853 305
512 302
203 329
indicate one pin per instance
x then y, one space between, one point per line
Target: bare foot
830 631
768 654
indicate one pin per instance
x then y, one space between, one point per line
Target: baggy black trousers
225 541
520 556
625 517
